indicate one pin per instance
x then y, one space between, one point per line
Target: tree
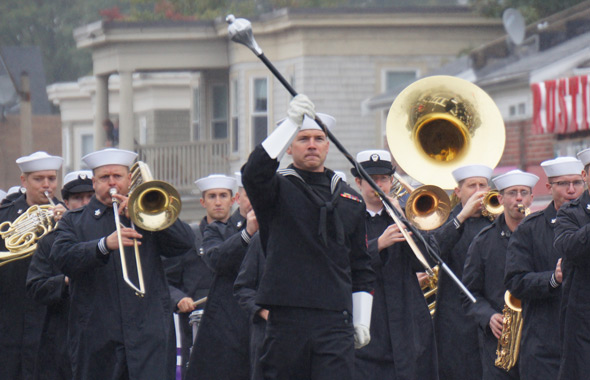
50 25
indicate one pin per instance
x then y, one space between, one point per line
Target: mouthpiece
113 191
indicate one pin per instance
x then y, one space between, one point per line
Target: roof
560 36
19 59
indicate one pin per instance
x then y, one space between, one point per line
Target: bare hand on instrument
186 305
123 201
395 203
390 236
58 212
473 206
496 324
127 237
263 313
251 223
299 107
558 273
423 279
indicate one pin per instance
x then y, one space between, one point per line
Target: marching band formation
310 277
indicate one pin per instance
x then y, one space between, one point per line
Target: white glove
300 106
279 140
362 304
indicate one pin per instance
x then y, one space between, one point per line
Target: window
234 117
219 121
395 78
196 114
259 110
517 110
87 144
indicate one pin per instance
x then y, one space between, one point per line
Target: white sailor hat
2 194
562 166
238 176
341 174
77 182
309 123
474 170
217 181
15 189
584 156
374 162
515 178
109 156
39 161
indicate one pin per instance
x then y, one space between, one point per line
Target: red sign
561 105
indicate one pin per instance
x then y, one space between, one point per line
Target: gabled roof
19 59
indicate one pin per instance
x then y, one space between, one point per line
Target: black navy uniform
483 275
572 229
113 333
402 345
188 276
313 232
530 264
21 318
46 285
456 333
245 288
221 347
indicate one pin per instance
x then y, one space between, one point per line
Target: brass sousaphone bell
440 123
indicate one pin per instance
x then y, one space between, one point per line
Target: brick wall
46 137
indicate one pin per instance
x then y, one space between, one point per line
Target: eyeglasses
566 184
514 193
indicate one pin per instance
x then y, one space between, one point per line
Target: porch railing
181 164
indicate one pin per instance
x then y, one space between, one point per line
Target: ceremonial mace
240 31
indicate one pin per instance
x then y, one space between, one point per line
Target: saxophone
509 342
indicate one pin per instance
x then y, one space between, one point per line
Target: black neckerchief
322 191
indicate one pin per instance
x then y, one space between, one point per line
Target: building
230 101
27 120
540 86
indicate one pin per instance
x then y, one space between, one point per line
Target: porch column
126 126
101 111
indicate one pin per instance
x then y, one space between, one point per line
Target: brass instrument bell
440 123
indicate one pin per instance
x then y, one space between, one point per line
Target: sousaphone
439 123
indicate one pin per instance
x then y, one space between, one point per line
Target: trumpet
523 209
491 205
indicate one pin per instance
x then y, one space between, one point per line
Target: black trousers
308 344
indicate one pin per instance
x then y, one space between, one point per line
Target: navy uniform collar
334 177
97 207
585 202
550 214
500 222
237 220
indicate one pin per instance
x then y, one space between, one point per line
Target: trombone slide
139 291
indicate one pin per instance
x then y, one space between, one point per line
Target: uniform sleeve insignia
350 196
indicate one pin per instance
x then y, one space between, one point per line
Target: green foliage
532 10
50 25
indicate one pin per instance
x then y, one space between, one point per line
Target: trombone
153 206
139 291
